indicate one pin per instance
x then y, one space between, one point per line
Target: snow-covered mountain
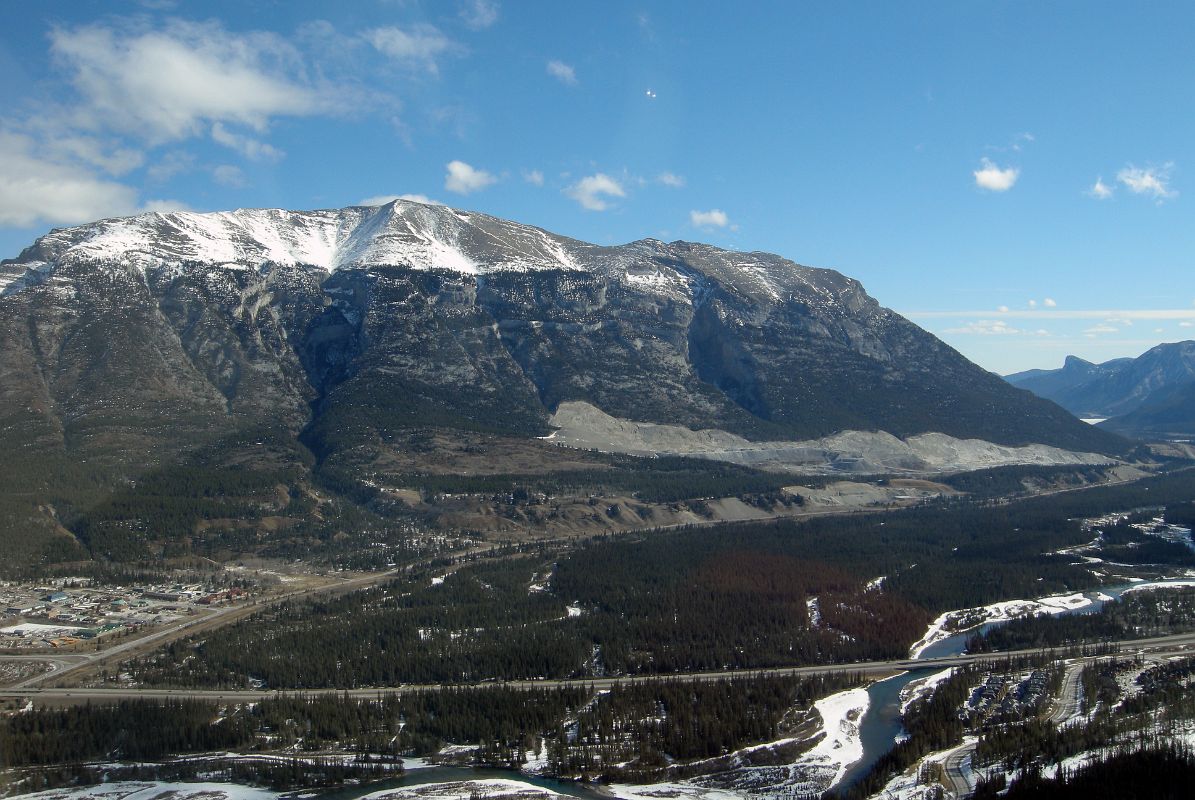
406 233
366 333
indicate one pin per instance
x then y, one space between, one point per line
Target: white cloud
1032 304
1058 313
171 83
562 72
172 163
165 206
994 179
1100 190
591 191
985 327
229 175
68 146
1186 324
1153 181
35 190
670 179
383 199
714 218
479 14
534 177
1049 302
1101 328
464 179
419 46
245 145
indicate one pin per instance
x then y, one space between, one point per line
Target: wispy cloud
994 179
383 199
172 83
1100 190
479 14
592 192
419 46
562 72
671 179
1151 181
245 145
985 327
34 189
464 179
534 177
229 175
714 218
1059 313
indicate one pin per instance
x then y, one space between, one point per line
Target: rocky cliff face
127 342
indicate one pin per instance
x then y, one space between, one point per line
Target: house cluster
71 611
1004 697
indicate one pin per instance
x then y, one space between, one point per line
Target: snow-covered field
965 619
1145 587
156 790
836 746
490 788
922 687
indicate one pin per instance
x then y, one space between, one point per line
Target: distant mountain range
380 346
1152 395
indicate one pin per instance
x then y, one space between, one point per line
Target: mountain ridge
122 354
1121 388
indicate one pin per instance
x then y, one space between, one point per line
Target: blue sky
1015 177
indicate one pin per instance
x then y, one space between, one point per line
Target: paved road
957 767
1069 700
1178 644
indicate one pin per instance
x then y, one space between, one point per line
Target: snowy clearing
922 687
491 788
965 619
148 790
1145 587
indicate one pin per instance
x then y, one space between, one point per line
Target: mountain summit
376 340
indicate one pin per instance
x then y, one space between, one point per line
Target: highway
1162 646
